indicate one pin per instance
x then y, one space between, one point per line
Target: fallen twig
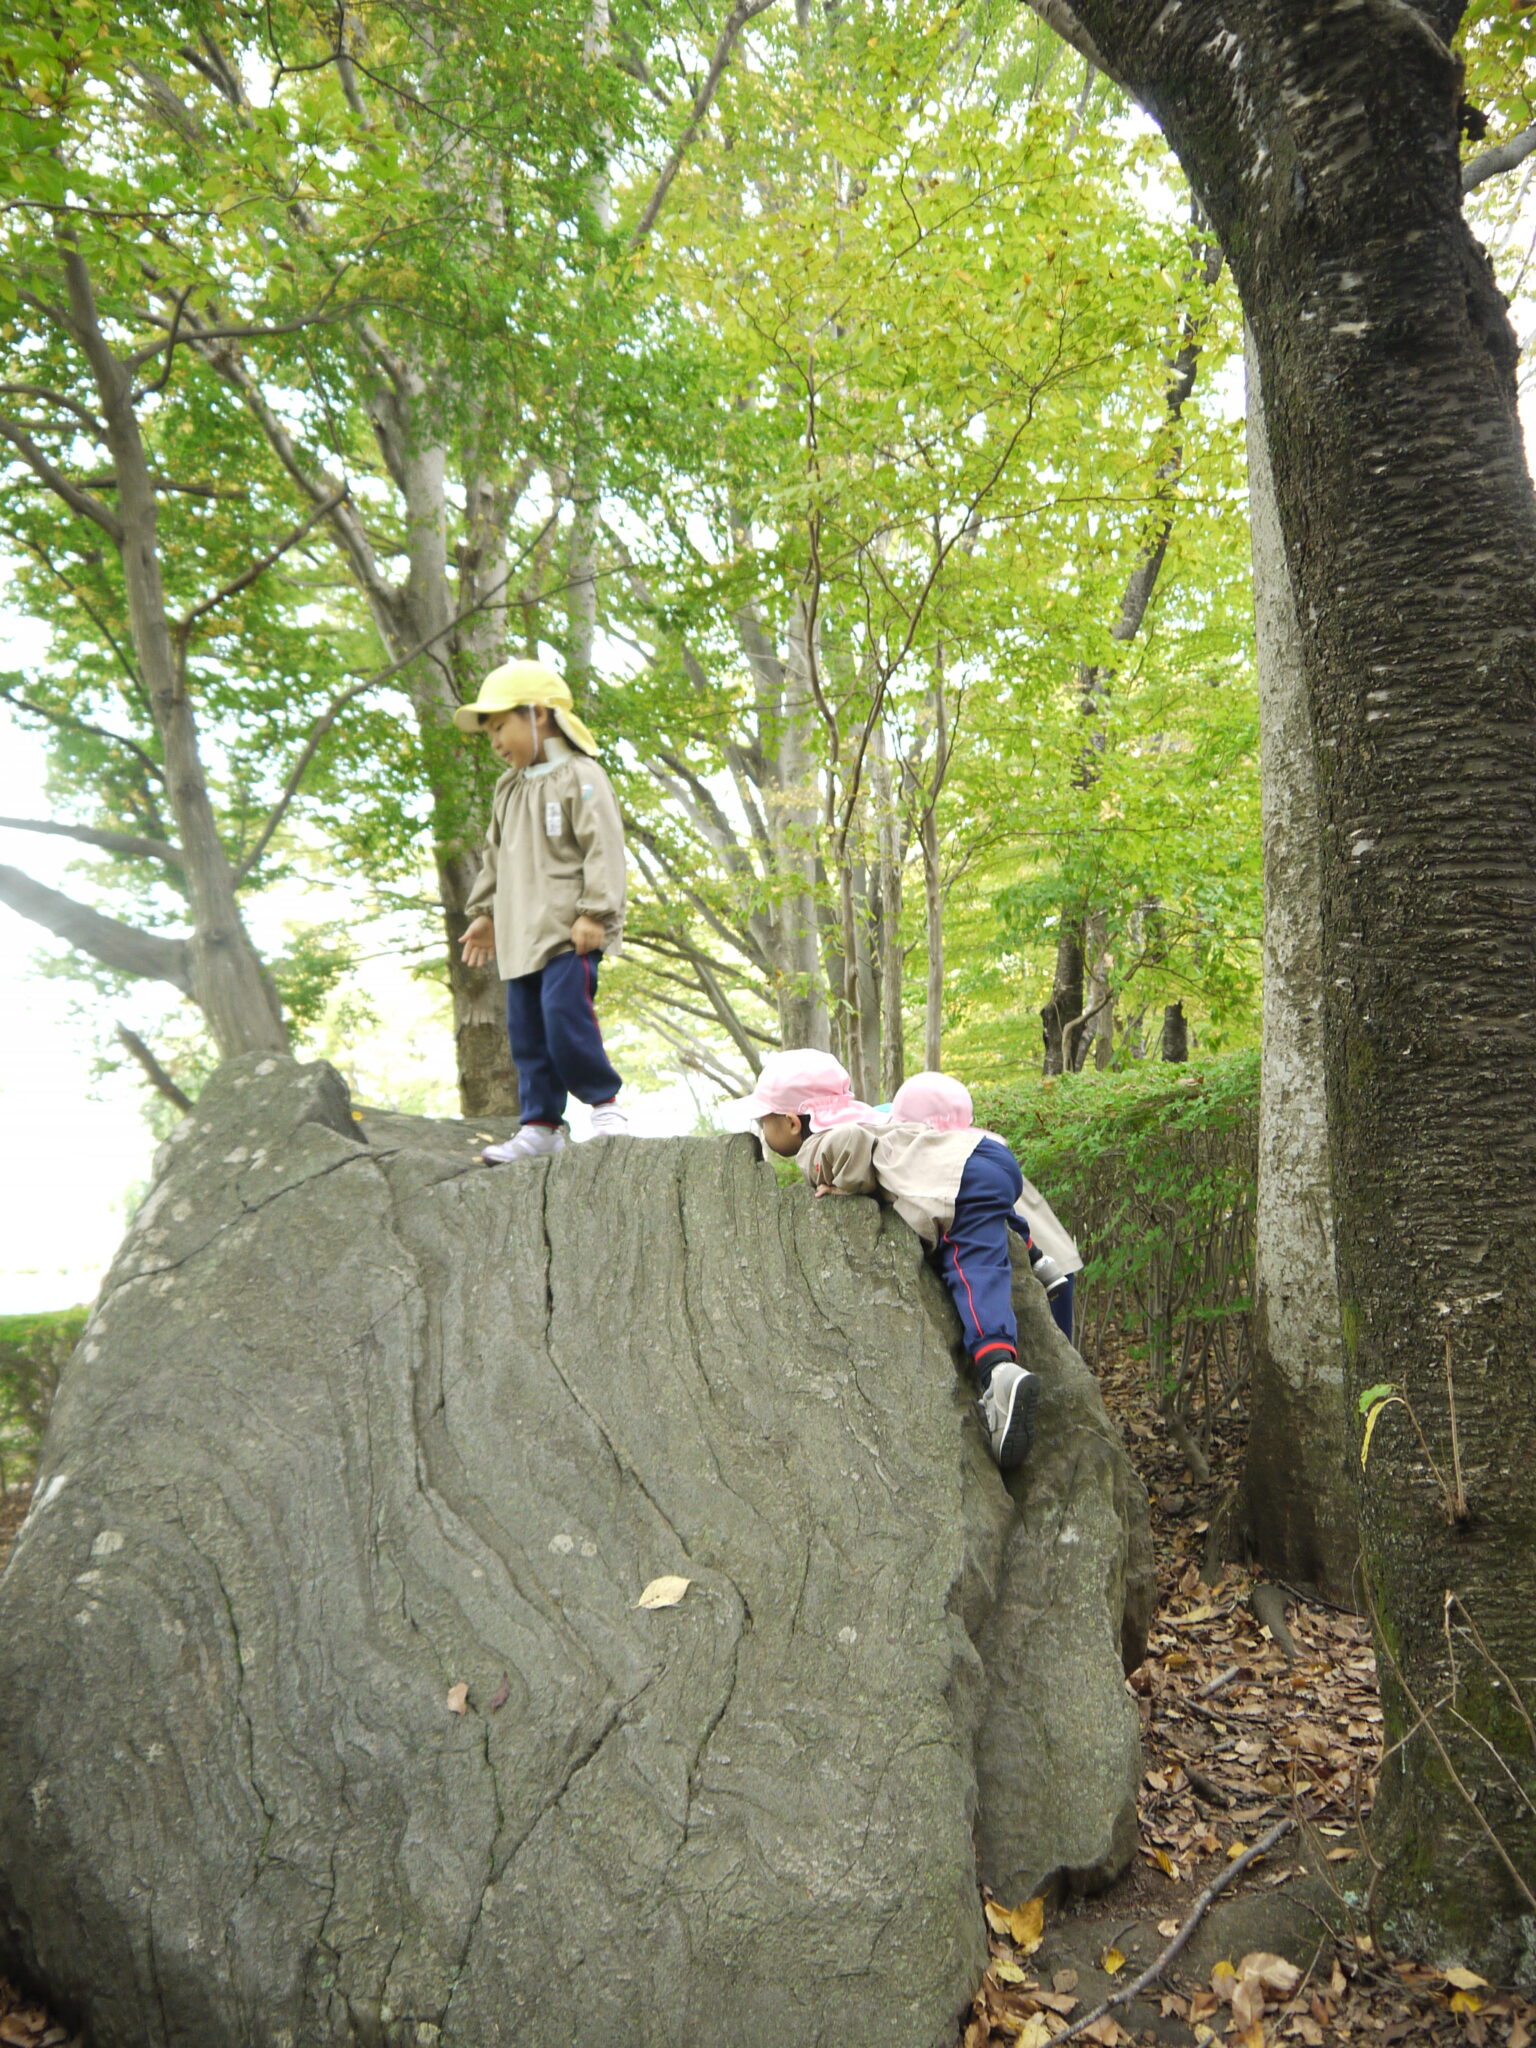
1197 1913
1219 1683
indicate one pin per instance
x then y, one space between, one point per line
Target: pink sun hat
800 1082
937 1100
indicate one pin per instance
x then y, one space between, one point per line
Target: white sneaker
533 1141
1008 1409
609 1121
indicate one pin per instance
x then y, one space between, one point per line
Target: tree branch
122 947
158 1078
743 12
1504 156
130 844
262 563
69 723
74 497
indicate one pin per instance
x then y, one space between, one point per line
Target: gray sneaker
1008 1409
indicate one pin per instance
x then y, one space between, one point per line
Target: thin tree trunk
1301 1504
1098 996
892 960
933 941
228 981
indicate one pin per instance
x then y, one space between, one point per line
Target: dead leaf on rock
1274 1976
1036 2032
1107 2032
458 1698
1024 1925
1112 1962
664 1592
500 1696
1465 1980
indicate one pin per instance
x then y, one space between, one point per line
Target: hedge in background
1154 1173
33 1352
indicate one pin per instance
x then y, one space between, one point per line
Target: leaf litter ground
1238 1736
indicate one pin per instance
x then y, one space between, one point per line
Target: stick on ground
1197 1913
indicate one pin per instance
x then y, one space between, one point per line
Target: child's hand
830 1190
478 944
587 934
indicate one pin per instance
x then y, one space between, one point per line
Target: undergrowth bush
33 1352
1153 1171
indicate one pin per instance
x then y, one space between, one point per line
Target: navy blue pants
556 1043
973 1255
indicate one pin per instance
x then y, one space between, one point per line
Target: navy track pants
973 1256
557 1045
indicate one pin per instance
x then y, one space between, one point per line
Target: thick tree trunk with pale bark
1323 143
1301 1504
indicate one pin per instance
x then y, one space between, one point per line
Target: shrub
1153 1171
33 1352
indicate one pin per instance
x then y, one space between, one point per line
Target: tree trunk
1175 1044
1066 1003
486 1077
893 1067
1324 145
1099 1032
1300 1500
228 980
802 986
933 935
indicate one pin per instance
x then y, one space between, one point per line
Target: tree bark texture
1066 1003
1300 1498
1175 1040
1323 144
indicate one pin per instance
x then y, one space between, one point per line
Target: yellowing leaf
1465 1980
1373 1416
1024 1925
1111 1962
458 1699
1236 1849
664 1592
1008 1973
1164 1862
1465 2001
1035 2033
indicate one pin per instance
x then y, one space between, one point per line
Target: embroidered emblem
551 819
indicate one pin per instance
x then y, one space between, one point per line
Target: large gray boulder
354 1425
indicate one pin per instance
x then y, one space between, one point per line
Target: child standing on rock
549 903
956 1188
945 1105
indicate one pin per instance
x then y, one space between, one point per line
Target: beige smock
917 1170
554 852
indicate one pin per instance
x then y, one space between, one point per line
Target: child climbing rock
944 1104
549 902
957 1189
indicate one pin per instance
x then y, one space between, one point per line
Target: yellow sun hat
519 683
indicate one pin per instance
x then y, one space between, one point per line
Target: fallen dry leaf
664 1592
1008 1973
1107 2032
1273 1974
1036 2032
1024 1925
1465 2001
1112 1962
500 1695
1465 1980
458 1698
